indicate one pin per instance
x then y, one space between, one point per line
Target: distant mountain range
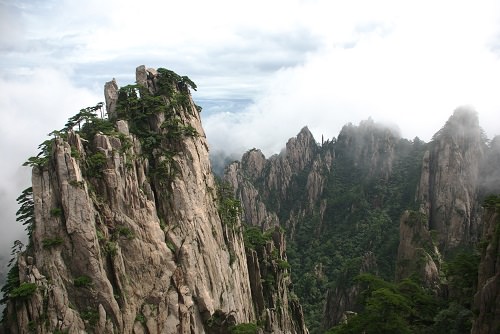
130 232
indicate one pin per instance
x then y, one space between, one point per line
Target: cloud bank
31 106
264 69
400 74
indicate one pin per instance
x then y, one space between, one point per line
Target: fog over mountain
264 70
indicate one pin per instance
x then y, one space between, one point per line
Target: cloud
31 106
264 69
411 71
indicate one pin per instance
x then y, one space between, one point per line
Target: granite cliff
449 184
487 297
311 190
128 232
369 201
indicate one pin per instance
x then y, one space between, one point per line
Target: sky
264 69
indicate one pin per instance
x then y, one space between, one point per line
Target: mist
261 77
489 182
30 109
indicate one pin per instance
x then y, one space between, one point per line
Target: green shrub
90 316
77 184
229 207
95 125
254 238
31 326
100 235
140 318
82 282
75 153
111 248
95 164
125 141
52 242
283 265
23 291
492 202
125 232
56 212
246 328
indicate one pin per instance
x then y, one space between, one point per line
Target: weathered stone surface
270 280
343 300
155 255
449 183
370 146
487 298
417 253
111 97
254 178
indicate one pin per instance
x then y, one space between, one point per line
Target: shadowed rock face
417 253
487 298
257 181
449 183
444 188
289 188
137 244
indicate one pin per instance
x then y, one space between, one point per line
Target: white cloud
31 106
319 63
411 71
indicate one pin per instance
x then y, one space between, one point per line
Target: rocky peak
111 97
448 186
489 177
461 129
253 162
370 146
296 169
127 234
300 150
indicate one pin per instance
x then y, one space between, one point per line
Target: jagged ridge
127 236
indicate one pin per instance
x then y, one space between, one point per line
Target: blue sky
264 69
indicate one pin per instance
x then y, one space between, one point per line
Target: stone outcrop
487 298
111 97
127 235
417 253
366 171
370 146
255 212
270 280
290 189
489 178
266 186
343 301
448 186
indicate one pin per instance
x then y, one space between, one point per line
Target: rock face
407 203
417 253
370 146
490 173
297 190
343 300
127 235
449 183
265 186
270 281
487 298
111 97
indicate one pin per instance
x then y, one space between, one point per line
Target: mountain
371 203
129 232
